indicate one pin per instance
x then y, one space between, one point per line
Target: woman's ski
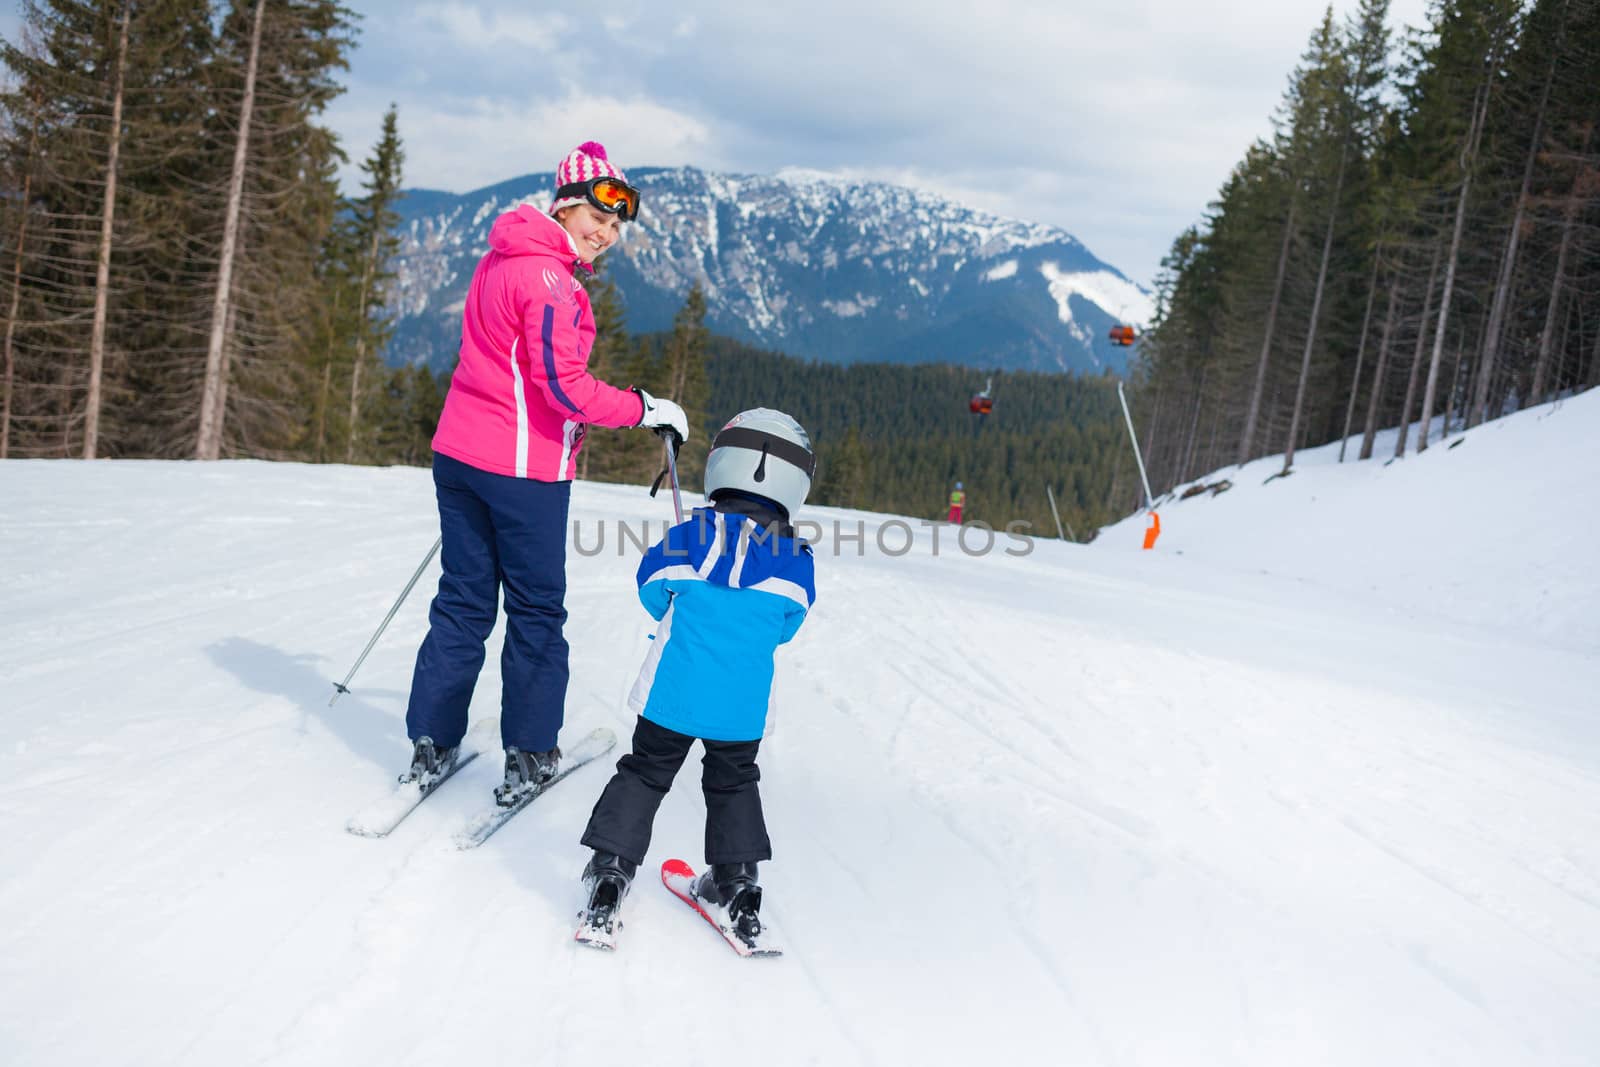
384 814
481 826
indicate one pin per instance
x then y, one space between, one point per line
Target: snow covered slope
1284 791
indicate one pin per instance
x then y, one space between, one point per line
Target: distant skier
729 585
505 451
957 499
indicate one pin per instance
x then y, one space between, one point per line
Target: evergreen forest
1416 245
182 276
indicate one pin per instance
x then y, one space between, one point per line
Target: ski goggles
611 195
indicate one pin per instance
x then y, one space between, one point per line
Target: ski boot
732 888
526 771
607 877
429 763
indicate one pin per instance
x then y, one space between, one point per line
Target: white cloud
459 145
1116 122
467 24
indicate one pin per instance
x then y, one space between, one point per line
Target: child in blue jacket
729 585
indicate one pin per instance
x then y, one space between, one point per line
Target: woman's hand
663 415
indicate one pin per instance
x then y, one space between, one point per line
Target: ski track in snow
1219 803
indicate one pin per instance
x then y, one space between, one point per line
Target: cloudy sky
1117 120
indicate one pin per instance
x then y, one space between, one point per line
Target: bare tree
208 444
102 279
1369 431
1361 351
1558 279
1477 410
1247 439
1469 154
1416 355
1316 308
16 286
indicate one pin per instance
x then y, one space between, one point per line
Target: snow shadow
366 728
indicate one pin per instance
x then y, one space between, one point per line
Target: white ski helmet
764 453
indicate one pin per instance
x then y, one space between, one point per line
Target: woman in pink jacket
505 451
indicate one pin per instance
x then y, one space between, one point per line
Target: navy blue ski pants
736 829
500 534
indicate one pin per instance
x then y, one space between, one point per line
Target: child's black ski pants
736 831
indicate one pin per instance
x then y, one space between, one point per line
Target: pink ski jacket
522 394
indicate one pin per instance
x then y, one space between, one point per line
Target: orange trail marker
1153 531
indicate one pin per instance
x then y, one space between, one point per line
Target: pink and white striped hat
586 161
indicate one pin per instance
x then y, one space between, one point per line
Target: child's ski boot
607 877
732 888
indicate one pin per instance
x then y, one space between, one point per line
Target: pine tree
371 230
1426 258
682 375
842 472
260 397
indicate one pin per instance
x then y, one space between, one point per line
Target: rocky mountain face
815 266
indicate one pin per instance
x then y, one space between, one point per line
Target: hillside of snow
1317 781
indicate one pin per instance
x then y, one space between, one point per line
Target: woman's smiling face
592 230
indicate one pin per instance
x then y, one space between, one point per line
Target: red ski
679 877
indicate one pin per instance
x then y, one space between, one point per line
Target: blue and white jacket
728 592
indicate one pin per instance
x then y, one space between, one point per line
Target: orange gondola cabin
982 403
1122 335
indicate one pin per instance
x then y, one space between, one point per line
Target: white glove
663 415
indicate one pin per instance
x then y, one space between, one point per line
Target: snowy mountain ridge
820 266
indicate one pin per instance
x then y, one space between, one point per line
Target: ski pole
670 442
344 686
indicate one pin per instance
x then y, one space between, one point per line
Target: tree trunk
322 410
1369 432
1316 310
1361 351
1248 438
1594 363
227 372
1150 427
1186 459
323 398
1213 444
208 444
1502 290
1455 388
1469 155
1416 357
16 293
102 276
1542 366
368 270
